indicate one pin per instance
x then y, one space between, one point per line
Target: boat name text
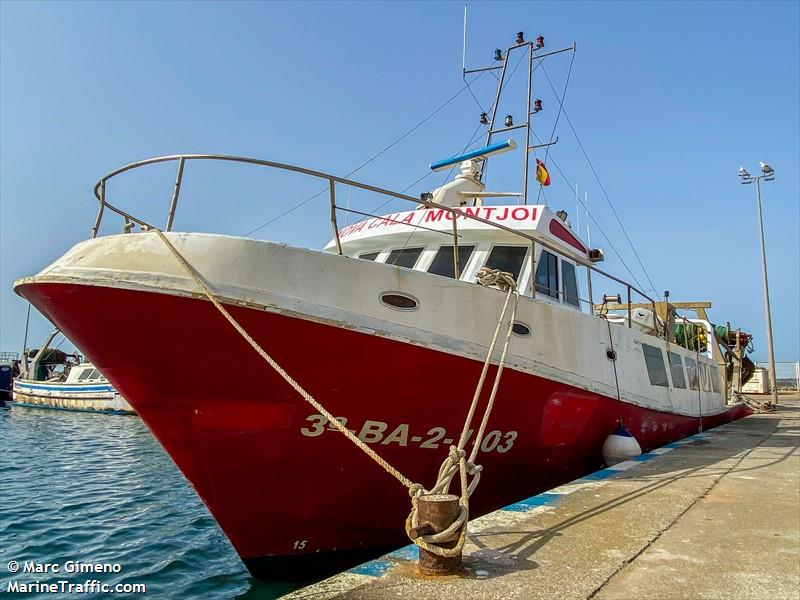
436 215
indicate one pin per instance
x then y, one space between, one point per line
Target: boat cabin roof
85 373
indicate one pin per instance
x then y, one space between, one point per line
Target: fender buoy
620 446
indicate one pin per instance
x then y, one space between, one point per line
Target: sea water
93 498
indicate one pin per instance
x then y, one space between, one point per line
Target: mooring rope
456 460
278 369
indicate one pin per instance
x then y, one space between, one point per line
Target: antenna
588 231
577 210
464 48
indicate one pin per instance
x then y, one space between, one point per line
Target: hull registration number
378 432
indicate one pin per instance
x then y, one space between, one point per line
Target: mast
508 125
527 124
25 342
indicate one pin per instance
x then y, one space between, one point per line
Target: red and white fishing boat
388 329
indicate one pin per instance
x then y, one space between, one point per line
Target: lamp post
767 174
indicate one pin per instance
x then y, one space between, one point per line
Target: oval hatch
521 329
399 301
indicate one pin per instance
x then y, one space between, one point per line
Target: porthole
611 354
521 329
399 301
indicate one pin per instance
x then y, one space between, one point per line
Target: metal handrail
130 220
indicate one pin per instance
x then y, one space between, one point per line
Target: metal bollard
435 513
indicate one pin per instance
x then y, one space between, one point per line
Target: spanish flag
542 176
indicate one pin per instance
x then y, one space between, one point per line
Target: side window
691 373
547 274
570 283
676 367
404 257
369 255
95 374
507 258
713 373
443 261
704 377
85 373
654 361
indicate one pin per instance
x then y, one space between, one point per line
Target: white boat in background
51 378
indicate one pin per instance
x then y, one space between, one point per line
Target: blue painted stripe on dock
374 568
601 474
410 552
532 502
643 457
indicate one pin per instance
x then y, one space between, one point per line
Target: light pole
767 174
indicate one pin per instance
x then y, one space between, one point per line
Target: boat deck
711 516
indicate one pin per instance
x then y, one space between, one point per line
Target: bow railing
100 192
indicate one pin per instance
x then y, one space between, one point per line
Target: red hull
233 426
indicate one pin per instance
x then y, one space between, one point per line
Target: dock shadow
503 551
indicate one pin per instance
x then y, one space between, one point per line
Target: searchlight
498 148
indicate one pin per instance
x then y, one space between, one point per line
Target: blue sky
667 98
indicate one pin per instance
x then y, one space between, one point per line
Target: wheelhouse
423 240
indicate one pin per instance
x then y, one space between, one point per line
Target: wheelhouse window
676 368
443 261
404 257
654 361
570 283
547 274
691 373
85 374
508 259
369 255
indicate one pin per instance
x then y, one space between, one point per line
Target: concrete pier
714 516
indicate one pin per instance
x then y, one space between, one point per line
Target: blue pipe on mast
497 148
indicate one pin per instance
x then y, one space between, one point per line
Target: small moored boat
51 378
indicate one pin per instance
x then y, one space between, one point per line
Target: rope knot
456 454
416 490
501 280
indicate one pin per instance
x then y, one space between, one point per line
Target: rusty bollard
435 513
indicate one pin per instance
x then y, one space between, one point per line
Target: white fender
620 446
